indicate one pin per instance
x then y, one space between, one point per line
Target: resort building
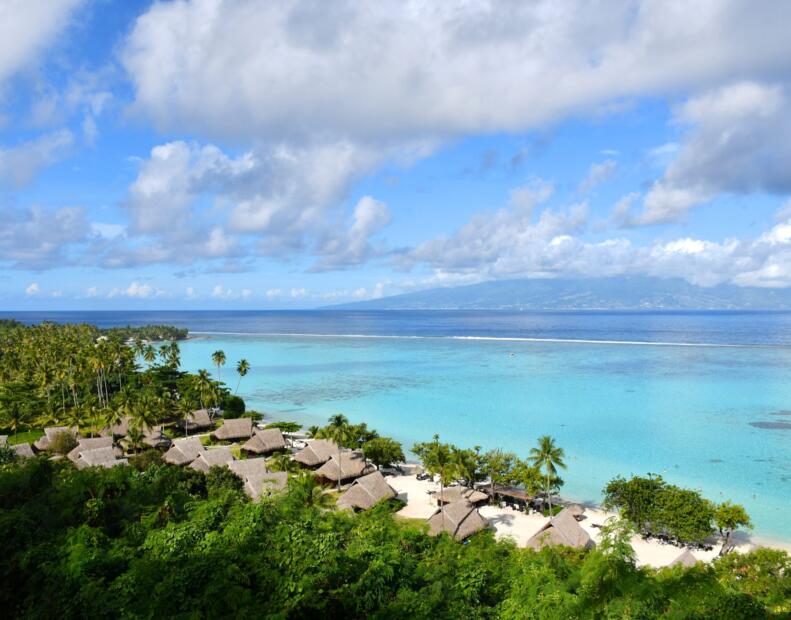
451 495
98 457
92 443
198 420
211 458
44 442
562 529
23 450
265 442
460 519
365 492
248 467
685 559
184 451
263 485
234 430
351 465
317 452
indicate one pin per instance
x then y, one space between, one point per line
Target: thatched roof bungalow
235 429
98 457
451 495
460 519
50 433
156 438
117 430
317 452
183 451
23 450
248 467
211 458
685 559
365 492
352 465
198 420
262 485
562 529
92 443
266 441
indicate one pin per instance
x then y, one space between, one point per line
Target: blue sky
276 154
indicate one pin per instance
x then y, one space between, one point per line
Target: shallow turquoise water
682 411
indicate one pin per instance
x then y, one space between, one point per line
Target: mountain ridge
621 293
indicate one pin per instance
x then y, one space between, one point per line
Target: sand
518 526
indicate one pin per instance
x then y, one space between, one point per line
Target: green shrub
233 406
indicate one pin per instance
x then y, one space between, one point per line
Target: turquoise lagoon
686 412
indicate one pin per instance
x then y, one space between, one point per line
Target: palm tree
304 490
314 431
438 458
338 430
218 357
204 387
149 354
282 462
549 457
242 367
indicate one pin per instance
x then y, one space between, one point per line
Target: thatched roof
460 519
317 452
685 559
156 438
265 442
562 529
352 465
23 450
117 430
50 433
210 458
454 494
366 491
260 485
98 457
184 451
232 430
197 420
514 492
3 440
248 467
92 443
576 510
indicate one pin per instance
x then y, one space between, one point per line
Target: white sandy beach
509 523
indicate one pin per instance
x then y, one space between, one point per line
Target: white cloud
391 69
38 238
20 164
274 293
33 289
27 28
739 141
299 293
353 246
136 290
598 174
92 291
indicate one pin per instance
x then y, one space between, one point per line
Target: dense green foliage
79 375
655 507
165 542
152 333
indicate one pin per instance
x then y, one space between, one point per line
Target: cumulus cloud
38 238
390 69
28 28
33 289
138 290
598 174
739 141
20 164
353 246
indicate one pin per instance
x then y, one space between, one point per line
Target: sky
295 154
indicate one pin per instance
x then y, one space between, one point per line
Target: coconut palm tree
242 367
339 431
218 357
305 491
282 462
149 354
548 456
438 459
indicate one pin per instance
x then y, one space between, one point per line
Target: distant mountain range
629 293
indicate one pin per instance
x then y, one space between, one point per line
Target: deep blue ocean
703 398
